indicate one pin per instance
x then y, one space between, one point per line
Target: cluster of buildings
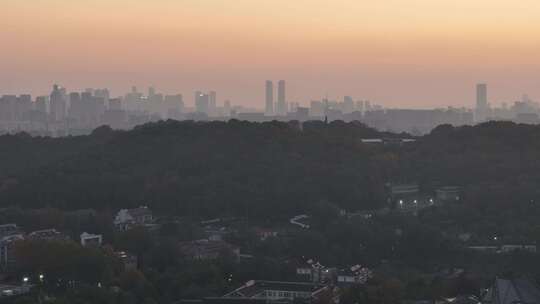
279 292
10 234
73 113
409 198
524 110
125 219
315 272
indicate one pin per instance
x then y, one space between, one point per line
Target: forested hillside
262 169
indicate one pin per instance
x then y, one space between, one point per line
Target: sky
399 53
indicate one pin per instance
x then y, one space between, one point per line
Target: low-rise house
264 234
448 194
129 218
309 270
217 233
354 275
129 261
88 239
48 235
407 198
13 290
7 258
207 249
9 235
9 229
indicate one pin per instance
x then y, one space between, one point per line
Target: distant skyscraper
24 105
8 107
41 104
202 102
348 105
227 108
281 101
481 102
58 103
75 106
269 98
212 107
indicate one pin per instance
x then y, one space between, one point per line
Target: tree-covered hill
197 168
262 169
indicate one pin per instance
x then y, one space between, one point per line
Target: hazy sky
419 53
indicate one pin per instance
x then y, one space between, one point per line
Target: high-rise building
202 102
316 109
75 106
348 105
281 101
174 106
212 106
227 108
103 93
151 92
58 103
41 104
24 105
269 98
8 104
481 102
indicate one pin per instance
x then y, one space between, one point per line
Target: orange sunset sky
399 53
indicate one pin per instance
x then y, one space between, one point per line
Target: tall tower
212 103
57 103
202 102
481 102
281 103
269 98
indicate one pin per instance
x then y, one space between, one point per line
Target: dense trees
257 170
263 174
202 169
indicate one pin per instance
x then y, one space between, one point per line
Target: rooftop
254 288
507 291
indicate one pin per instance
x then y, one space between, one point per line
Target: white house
88 239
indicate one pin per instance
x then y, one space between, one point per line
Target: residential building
281 106
7 258
269 98
88 239
354 275
48 235
448 193
128 218
129 261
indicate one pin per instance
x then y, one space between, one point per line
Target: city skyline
414 54
67 112
274 94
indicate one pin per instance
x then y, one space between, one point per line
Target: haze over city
269 151
415 54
